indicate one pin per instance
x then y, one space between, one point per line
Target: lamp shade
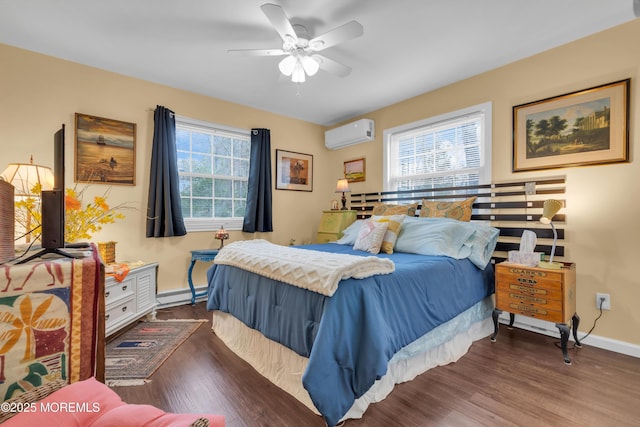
310 65
286 65
24 176
222 235
549 209
298 75
342 186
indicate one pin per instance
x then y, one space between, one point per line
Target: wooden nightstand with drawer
540 293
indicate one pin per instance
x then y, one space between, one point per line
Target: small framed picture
294 171
355 170
105 151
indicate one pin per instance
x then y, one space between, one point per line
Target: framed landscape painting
105 150
587 127
355 170
294 171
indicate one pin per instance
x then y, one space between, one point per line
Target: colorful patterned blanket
48 320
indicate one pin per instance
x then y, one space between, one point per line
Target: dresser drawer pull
528 309
527 290
124 308
106 294
528 298
106 317
124 288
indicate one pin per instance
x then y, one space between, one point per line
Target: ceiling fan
302 58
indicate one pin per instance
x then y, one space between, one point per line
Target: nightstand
205 255
539 293
332 223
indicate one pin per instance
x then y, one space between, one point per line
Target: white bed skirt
283 367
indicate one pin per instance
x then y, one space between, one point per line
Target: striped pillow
391 235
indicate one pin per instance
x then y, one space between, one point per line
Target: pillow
370 236
350 234
448 237
455 210
385 209
97 405
391 235
90 391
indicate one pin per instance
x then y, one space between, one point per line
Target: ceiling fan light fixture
298 75
287 65
310 66
299 48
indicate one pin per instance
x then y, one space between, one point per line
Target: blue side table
206 255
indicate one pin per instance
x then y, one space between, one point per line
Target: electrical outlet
606 304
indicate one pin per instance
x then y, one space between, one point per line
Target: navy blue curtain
258 215
164 214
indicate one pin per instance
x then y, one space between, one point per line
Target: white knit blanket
308 269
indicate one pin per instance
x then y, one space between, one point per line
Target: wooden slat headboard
510 206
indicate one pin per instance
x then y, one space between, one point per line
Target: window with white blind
213 167
449 150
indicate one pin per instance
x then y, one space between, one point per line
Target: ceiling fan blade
257 52
331 66
340 34
280 22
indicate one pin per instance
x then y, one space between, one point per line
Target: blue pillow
448 237
350 234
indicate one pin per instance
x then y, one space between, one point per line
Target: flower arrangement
80 221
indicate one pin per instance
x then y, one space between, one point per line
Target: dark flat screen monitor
53 200
52 231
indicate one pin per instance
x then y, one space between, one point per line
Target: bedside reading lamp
549 209
222 235
343 187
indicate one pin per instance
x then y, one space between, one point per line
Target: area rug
134 356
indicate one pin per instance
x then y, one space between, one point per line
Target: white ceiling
409 47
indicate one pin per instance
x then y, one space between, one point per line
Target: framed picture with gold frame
355 170
586 127
105 151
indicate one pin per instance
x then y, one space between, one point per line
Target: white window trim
208 224
484 108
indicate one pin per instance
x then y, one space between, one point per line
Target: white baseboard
546 328
179 297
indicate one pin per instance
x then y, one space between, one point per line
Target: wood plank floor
520 380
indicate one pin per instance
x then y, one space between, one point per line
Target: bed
341 350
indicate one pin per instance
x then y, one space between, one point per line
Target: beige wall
602 225
37 93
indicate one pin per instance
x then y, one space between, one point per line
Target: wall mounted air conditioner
353 133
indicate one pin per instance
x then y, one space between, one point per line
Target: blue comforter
350 337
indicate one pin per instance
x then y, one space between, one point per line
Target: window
213 167
450 150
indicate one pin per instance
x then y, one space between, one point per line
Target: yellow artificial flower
81 222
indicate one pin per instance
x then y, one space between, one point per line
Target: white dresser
129 300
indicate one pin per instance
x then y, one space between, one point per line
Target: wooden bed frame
510 206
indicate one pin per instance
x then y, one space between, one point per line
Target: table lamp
25 177
549 209
222 235
343 187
